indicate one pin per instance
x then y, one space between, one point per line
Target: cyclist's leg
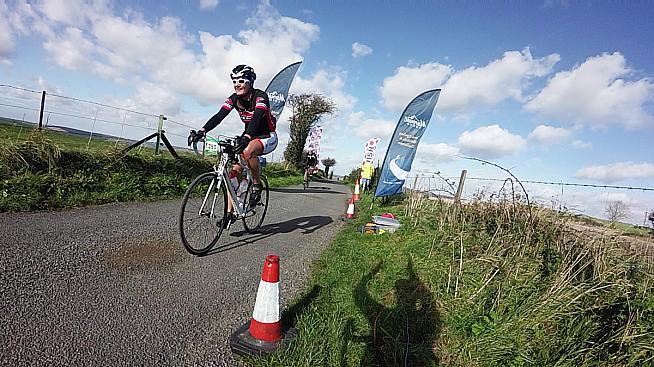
236 172
256 148
251 155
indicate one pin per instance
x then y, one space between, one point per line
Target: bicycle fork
201 211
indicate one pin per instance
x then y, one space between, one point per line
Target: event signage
369 151
278 87
404 143
315 134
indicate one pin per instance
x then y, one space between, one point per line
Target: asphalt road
112 285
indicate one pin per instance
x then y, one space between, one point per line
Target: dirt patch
136 256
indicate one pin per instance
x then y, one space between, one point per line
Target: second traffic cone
349 214
357 195
263 334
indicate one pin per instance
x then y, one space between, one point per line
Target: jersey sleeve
225 109
261 114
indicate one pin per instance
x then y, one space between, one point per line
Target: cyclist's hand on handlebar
195 136
241 143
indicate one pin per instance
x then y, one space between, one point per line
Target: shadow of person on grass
402 334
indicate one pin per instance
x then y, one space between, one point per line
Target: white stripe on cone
266 307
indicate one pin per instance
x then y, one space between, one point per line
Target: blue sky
553 90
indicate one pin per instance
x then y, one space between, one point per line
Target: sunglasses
239 81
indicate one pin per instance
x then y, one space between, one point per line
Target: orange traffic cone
263 333
356 196
349 214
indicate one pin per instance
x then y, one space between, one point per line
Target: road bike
308 173
203 215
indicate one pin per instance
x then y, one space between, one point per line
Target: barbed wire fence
54 111
564 196
83 117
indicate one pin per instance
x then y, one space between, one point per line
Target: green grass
50 170
624 228
488 284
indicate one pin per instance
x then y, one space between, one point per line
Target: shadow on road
309 190
305 224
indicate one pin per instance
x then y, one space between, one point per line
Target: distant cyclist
259 137
310 164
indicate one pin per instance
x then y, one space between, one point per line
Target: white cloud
545 134
441 152
597 93
499 80
407 82
73 12
208 4
495 82
616 172
490 142
367 128
128 49
581 144
328 83
360 50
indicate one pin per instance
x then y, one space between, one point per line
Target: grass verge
486 284
37 173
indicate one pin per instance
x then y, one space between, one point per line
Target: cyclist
310 164
259 137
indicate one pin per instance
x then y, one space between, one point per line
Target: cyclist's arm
220 115
261 113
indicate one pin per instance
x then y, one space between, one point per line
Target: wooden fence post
41 114
459 188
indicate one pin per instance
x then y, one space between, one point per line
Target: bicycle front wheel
204 207
254 215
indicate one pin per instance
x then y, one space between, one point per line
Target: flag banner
278 87
369 151
315 134
404 143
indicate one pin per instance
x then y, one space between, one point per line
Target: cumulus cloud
615 172
125 48
581 144
407 82
441 152
490 142
360 50
366 128
499 80
329 83
597 92
208 4
548 135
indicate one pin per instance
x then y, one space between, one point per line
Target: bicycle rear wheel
254 215
204 207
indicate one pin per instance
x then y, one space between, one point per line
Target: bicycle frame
222 177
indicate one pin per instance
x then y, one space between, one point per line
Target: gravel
112 284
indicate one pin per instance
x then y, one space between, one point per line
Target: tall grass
39 174
489 283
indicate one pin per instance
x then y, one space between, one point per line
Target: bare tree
616 211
